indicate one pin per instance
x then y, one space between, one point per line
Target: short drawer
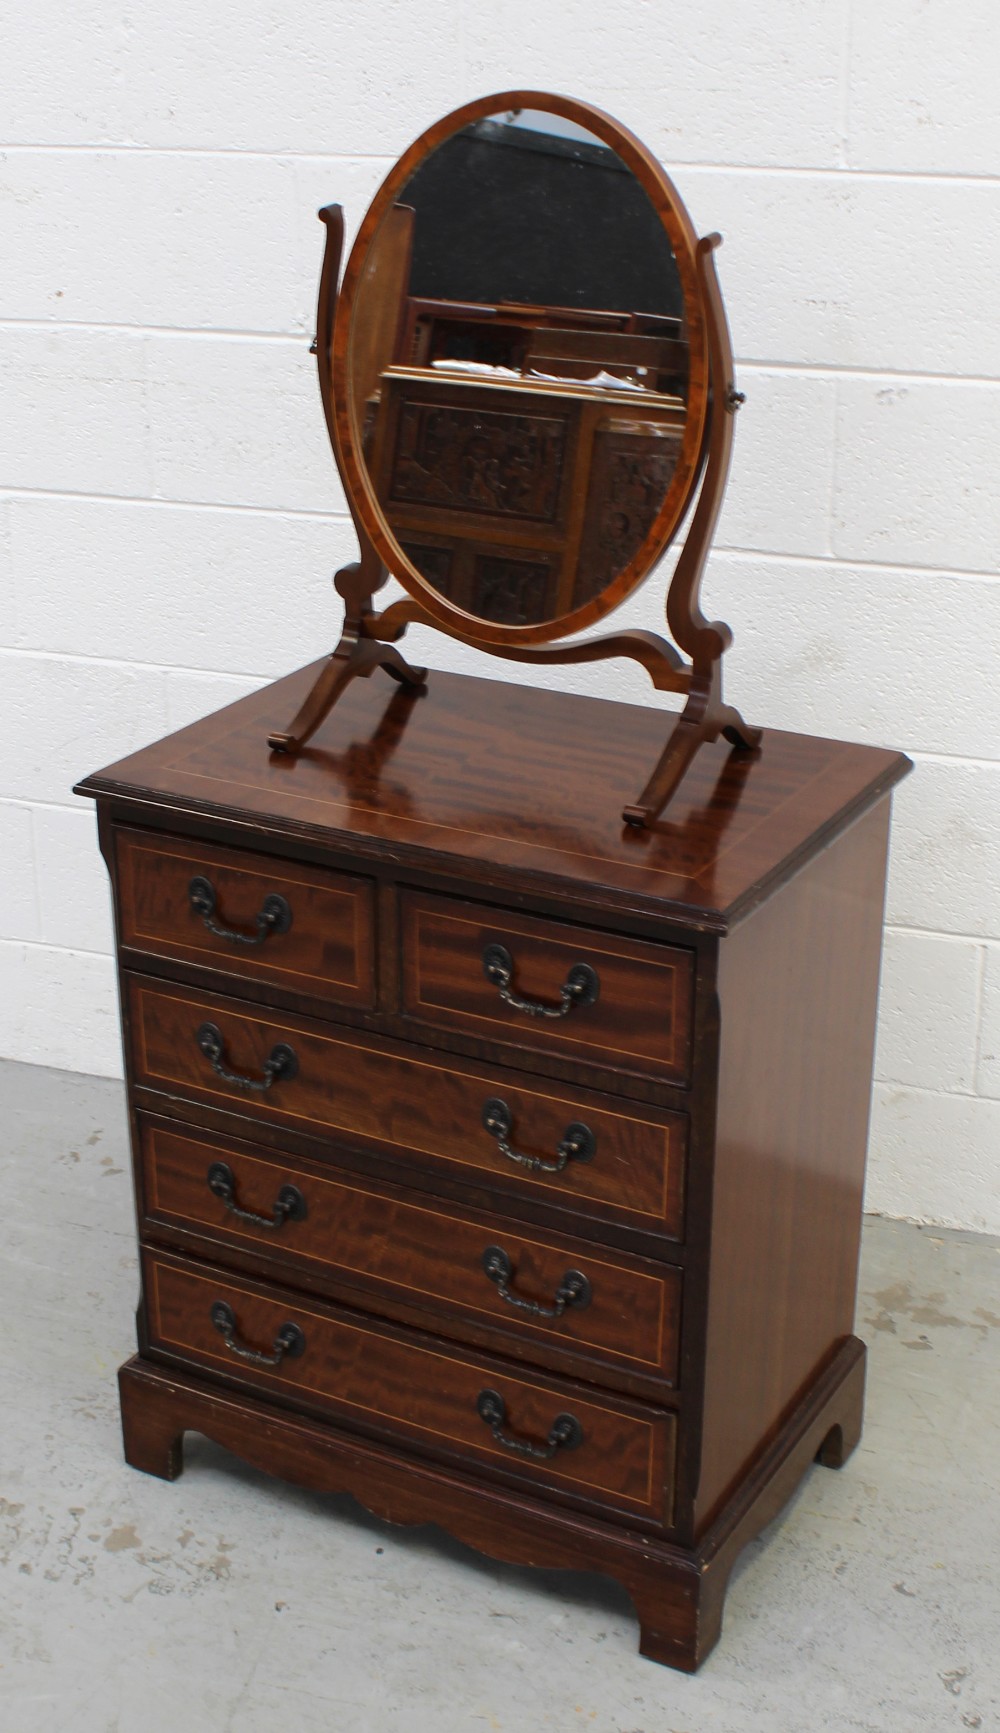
472 1271
446 1401
552 987
300 929
629 1167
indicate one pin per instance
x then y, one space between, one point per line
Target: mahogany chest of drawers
494 1162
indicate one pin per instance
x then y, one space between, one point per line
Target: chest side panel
798 989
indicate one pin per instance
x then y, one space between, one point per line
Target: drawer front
415 1388
360 1087
627 1006
196 903
361 1237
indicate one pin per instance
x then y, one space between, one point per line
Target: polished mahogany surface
422 1389
415 1259
411 1100
321 944
567 1269
515 783
640 1018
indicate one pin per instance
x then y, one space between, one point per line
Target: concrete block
851 271
6 573
923 86
928 1011
149 238
988 1068
781 480
915 480
722 84
60 1007
895 658
935 1158
258 76
238 421
75 414
944 863
20 917
67 718
65 77
73 888
235 592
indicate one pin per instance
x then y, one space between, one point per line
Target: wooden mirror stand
689 664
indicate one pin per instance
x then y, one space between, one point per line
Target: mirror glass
518 367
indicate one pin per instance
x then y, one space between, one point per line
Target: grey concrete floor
230 1603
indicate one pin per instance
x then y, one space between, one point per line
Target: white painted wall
169 516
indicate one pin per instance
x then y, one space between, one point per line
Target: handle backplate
565 1433
275 914
288 1344
581 986
573 1290
281 1062
289 1205
577 1143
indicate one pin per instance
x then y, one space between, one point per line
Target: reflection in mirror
519 367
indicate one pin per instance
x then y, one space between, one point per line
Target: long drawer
548 986
361 1241
614 1160
294 928
452 1403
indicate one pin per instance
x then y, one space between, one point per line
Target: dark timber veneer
558 1251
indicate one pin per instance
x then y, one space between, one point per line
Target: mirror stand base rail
368 642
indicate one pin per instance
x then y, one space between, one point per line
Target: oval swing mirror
527 376
520 368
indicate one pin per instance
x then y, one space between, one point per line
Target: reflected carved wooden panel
435 561
630 472
479 460
513 592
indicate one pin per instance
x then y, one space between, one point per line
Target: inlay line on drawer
390 1244
379 1090
549 986
414 1385
200 903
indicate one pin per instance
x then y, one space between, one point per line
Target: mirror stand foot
738 733
702 720
353 659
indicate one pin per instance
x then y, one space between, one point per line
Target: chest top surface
508 783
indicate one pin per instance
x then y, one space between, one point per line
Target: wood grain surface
512 786
388 1380
328 951
640 1020
678 1592
724 1071
798 989
381 1248
431 1106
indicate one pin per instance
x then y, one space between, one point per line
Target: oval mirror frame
470 628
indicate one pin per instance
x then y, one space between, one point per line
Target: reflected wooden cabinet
524 498
495 1163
